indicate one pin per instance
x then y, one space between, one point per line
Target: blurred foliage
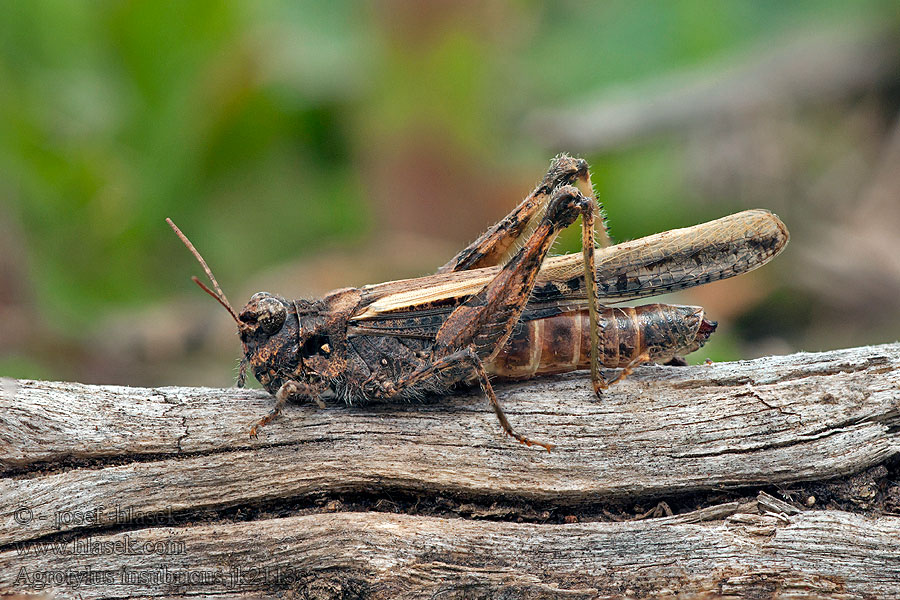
116 115
263 130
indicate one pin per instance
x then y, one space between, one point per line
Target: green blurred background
305 146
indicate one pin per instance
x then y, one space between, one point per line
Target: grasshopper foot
254 429
524 440
287 390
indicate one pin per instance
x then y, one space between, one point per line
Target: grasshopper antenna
220 297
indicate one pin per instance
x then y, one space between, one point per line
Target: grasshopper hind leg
498 410
455 367
630 367
478 328
497 245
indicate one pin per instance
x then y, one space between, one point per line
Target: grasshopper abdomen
561 343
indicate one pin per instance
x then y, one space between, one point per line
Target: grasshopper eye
271 315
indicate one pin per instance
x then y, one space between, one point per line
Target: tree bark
128 492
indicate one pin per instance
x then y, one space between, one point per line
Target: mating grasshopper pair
501 307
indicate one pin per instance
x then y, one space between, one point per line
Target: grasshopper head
287 340
268 328
300 341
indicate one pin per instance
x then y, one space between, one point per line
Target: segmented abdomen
562 342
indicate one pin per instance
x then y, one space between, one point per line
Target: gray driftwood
115 468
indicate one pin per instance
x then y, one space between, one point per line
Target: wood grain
379 555
81 462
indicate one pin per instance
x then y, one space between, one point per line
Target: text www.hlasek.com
93 547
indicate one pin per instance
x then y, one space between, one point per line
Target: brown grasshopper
501 307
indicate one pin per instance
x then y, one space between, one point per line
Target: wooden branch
87 464
380 555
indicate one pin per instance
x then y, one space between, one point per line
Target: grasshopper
501 307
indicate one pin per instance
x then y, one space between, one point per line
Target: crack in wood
319 494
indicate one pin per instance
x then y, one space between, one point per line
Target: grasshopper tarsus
287 390
528 442
488 390
500 307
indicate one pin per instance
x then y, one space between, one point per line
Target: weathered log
810 555
103 464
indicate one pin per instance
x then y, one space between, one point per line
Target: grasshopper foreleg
289 389
281 398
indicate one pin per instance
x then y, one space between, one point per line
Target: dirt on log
770 477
